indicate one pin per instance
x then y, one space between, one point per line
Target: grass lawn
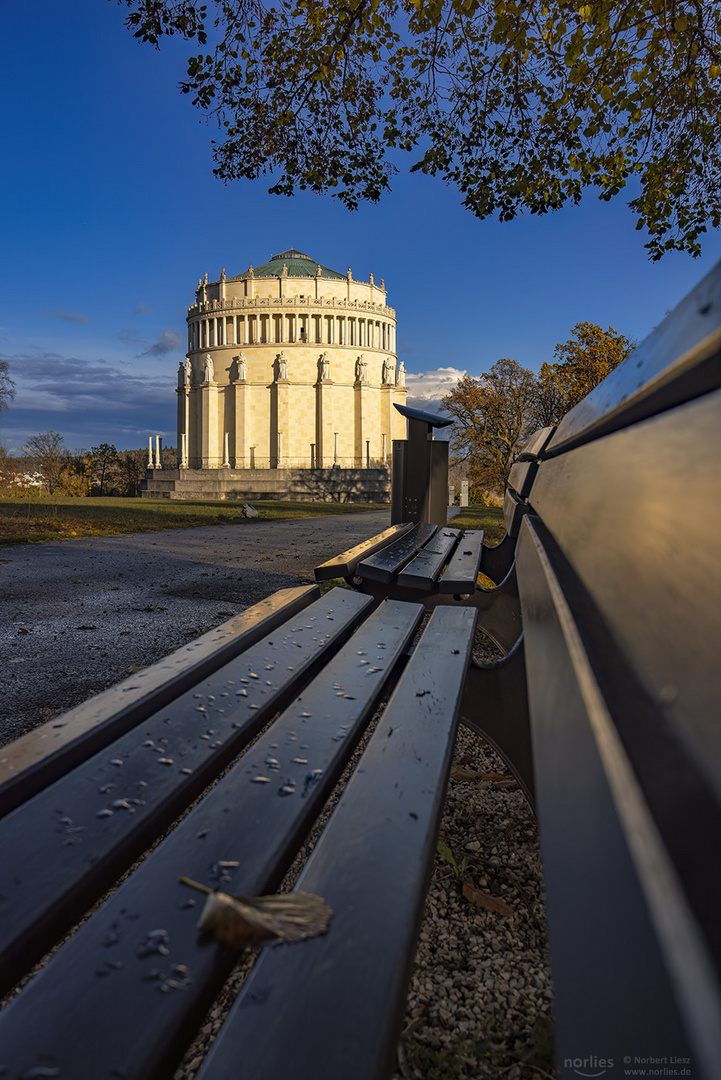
488 518
31 521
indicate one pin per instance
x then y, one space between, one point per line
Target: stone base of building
247 485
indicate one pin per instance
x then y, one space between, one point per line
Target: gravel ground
77 614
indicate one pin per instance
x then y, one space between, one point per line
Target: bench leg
495 706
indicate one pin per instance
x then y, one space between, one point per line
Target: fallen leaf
134 669
243 921
22 630
458 772
482 900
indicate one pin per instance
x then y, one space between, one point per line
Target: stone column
150 451
282 389
324 420
240 391
366 420
158 455
210 433
386 414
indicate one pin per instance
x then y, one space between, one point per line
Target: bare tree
46 453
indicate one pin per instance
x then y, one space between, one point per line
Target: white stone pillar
150 451
226 451
158 459
451 494
183 451
464 493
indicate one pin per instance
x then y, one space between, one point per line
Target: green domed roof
298 264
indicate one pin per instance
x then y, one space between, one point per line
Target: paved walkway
76 614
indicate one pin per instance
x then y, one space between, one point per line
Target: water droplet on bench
261 780
156 941
272 762
165 761
241 693
116 761
104 813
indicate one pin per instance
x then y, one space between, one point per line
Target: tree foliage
522 104
495 413
102 458
589 355
491 417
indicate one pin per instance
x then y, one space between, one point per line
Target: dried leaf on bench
241 921
482 900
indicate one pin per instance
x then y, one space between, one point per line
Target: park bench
606 706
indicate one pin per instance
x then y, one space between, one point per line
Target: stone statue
401 374
387 372
185 373
238 368
325 366
361 369
282 366
208 370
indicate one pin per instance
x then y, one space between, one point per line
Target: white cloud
426 389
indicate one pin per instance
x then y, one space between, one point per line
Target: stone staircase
246 485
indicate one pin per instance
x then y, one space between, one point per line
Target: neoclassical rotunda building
290 366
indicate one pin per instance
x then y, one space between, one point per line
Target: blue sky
111 213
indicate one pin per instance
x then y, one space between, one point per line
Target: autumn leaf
243 921
482 900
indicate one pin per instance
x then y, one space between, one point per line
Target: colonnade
286 328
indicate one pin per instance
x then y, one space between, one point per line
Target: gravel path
75 615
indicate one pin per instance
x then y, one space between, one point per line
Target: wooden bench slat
387 563
344 565
658 479
521 477
38 758
119 1017
422 571
679 361
536 444
620 926
513 511
460 575
101 815
334 1004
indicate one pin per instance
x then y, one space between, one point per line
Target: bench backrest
618 518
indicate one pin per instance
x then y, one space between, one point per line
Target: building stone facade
290 366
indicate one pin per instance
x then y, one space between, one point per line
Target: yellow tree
491 419
589 355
